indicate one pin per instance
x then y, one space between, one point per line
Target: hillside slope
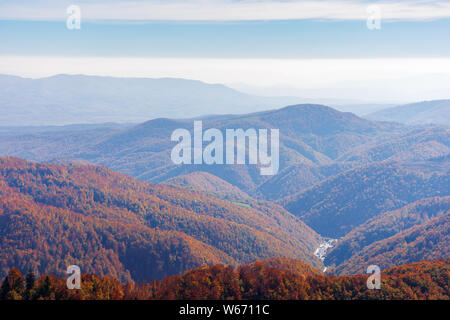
207 183
54 215
426 112
387 225
428 241
417 144
337 205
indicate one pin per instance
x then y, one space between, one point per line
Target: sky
291 47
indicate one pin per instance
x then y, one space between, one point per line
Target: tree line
265 279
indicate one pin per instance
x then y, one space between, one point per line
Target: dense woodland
417 231
52 216
271 279
339 204
430 241
386 225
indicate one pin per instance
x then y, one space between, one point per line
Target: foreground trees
268 279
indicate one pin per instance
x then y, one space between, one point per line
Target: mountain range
73 99
81 99
426 112
312 139
380 188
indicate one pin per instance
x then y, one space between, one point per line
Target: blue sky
226 28
314 46
250 39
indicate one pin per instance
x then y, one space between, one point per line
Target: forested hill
335 206
52 216
389 224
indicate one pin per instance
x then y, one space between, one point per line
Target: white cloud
224 10
364 79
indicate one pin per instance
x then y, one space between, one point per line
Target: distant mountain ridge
312 138
72 99
427 112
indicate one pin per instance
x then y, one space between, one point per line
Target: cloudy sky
314 48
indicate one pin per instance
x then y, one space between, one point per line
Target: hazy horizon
328 49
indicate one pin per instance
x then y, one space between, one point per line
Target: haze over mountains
73 99
338 174
427 112
312 138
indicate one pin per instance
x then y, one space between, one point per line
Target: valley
342 179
